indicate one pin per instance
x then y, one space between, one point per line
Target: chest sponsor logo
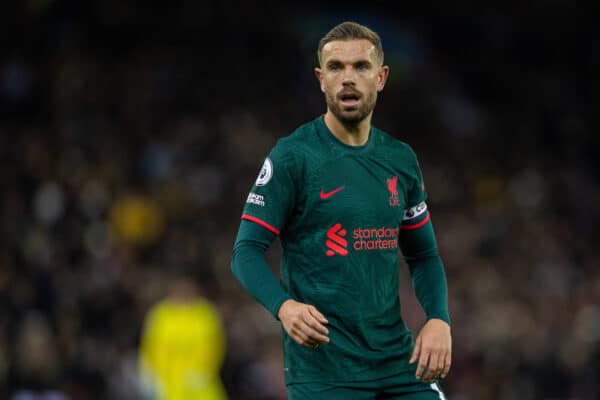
336 244
325 195
363 239
392 185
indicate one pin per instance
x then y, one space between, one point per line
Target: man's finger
316 314
447 362
315 324
423 361
299 336
313 334
441 364
431 373
416 350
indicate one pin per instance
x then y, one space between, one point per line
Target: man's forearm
250 267
427 270
429 281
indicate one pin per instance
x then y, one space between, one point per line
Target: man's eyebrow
335 61
361 63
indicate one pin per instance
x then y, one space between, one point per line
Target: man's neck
352 135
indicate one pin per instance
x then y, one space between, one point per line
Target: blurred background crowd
131 133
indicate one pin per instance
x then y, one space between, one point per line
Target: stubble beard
353 118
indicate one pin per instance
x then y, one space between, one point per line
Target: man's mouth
349 99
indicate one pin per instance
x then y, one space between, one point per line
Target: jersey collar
324 131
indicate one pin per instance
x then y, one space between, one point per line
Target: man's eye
334 67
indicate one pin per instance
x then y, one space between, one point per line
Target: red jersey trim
261 223
418 224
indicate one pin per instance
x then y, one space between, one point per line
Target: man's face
350 76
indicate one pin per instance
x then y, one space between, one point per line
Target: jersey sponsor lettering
381 238
257 199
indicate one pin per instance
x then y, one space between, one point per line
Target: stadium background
130 134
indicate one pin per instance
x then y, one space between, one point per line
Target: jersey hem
319 379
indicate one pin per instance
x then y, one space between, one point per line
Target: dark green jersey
338 210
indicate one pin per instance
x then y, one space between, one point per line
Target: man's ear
319 75
384 72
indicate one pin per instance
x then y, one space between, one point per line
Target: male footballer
344 199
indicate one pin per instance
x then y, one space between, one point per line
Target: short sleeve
271 198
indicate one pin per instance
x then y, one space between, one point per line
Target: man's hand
433 349
304 323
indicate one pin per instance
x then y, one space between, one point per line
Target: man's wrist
280 306
443 318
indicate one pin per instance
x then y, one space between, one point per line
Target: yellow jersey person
183 346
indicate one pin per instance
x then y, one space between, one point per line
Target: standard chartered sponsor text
375 238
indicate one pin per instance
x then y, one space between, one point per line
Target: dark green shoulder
398 147
300 142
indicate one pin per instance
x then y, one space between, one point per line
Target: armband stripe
261 223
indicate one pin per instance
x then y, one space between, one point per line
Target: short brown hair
351 31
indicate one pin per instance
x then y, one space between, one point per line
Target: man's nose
349 76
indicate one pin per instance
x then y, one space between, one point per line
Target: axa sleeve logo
336 244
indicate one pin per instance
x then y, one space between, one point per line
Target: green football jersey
338 210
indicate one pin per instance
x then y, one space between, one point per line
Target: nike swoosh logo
327 195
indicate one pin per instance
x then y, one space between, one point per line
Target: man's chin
350 117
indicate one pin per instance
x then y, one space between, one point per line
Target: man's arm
433 344
303 322
250 267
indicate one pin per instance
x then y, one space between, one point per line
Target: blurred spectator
183 346
37 370
137 220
